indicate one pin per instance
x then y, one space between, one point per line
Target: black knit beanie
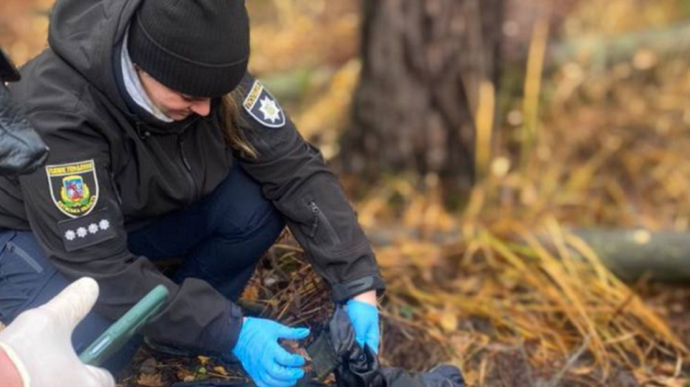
196 47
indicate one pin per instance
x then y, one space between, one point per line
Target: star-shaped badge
269 109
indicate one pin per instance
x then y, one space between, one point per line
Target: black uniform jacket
109 172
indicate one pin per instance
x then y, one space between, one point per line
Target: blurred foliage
495 289
608 18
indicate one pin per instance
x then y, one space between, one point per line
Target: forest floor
502 288
420 331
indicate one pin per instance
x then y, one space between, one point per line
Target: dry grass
506 285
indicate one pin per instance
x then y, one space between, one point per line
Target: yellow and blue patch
73 187
261 105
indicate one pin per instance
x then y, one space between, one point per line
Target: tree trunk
422 63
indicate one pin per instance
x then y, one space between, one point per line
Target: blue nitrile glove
365 320
266 362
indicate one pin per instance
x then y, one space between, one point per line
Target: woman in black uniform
162 145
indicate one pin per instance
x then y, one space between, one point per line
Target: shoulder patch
261 105
87 230
73 187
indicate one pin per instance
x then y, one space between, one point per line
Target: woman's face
173 104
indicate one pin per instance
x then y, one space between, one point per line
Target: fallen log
633 253
672 40
629 253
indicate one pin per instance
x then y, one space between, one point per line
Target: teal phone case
123 329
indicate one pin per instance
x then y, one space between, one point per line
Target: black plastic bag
336 349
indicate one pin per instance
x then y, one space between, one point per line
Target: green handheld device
123 329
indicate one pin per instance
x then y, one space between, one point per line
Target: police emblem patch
261 105
73 187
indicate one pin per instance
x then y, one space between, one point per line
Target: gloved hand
365 320
39 341
266 362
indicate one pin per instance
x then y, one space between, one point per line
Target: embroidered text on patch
73 187
261 105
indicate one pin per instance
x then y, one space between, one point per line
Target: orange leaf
151 380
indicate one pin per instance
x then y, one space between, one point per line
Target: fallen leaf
221 370
151 380
449 322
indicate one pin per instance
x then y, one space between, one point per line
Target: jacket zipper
320 217
115 190
187 169
186 166
25 256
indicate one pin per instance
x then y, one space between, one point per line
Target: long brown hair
230 119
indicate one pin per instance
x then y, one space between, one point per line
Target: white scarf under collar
134 87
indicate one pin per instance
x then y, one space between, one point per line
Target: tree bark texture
422 63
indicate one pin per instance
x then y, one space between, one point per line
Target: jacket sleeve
296 179
74 212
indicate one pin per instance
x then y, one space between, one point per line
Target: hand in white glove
39 341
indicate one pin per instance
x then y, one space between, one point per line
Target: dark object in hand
354 366
21 149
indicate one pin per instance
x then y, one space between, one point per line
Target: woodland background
506 158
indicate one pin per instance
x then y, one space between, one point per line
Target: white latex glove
39 341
